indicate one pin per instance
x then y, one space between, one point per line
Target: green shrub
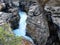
7 37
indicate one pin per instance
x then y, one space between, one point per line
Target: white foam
1 12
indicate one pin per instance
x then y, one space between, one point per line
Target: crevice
53 30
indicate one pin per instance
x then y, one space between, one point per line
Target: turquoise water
21 31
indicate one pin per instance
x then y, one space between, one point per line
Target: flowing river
21 31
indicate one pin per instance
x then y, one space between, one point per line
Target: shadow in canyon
53 38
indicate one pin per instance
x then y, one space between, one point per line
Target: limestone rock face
34 9
4 17
37 25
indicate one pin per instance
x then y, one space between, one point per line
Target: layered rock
37 26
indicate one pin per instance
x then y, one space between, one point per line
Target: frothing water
21 31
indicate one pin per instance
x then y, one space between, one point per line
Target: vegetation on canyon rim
8 38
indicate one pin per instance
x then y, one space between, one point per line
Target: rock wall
37 26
